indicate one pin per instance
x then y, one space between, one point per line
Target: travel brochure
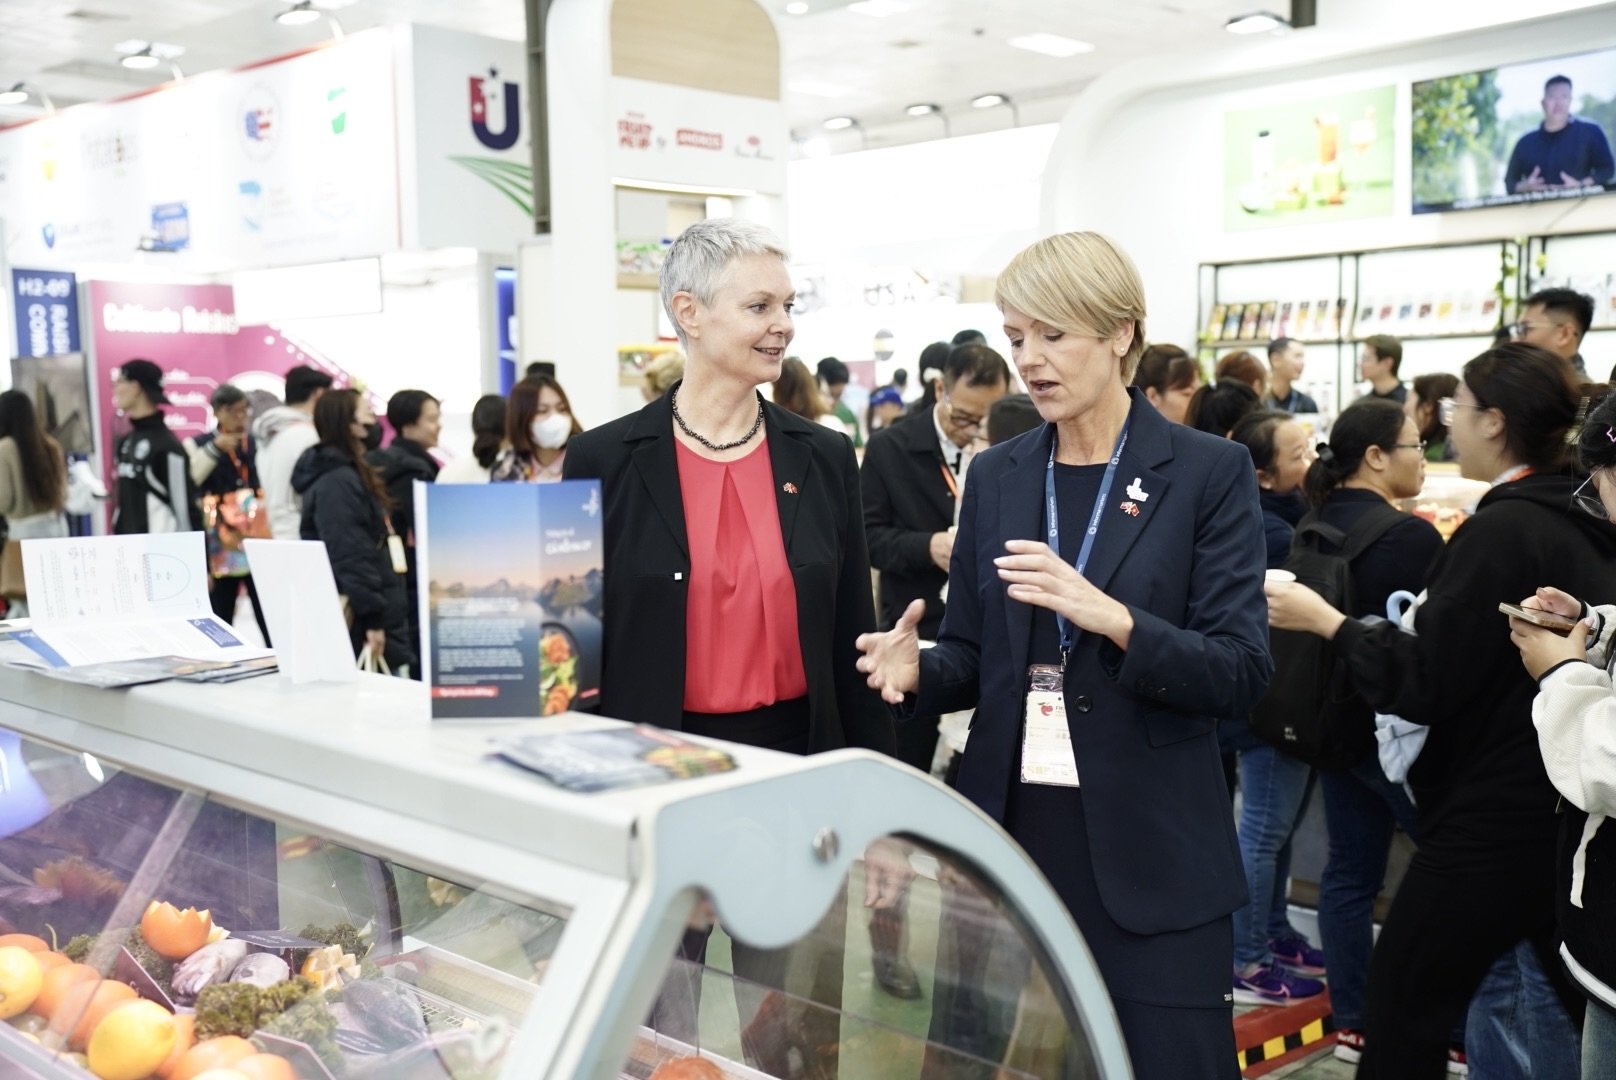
1328 319
613 759
512 588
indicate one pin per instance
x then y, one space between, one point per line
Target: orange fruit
20 980
49 960
266 1067
132 1040
174 934
55 985
212 1054
85 1005
184 1039
25 941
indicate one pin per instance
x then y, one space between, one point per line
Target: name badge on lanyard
1046 741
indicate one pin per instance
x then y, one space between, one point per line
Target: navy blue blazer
1144 722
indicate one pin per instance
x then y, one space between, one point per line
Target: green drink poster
1305 162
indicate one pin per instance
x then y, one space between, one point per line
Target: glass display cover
149 931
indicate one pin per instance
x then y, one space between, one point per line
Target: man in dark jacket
155 493
415 417
223 464
912 479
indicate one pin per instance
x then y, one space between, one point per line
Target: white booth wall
1140 154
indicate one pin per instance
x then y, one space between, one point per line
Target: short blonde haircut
1079 283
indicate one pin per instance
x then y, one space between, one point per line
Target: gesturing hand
892 660
1040 577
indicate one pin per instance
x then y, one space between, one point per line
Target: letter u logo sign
506 136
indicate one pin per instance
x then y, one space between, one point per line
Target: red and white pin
790 489
1131 509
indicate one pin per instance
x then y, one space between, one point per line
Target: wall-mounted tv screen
1514 134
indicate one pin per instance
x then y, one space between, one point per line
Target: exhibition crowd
1094 538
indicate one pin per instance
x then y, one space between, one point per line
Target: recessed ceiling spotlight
878 9
923 109
15 96
797 7
298 14
988 101
140 61
1256 22
840 123
1051 45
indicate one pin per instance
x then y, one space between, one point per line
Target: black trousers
226 591
1446 927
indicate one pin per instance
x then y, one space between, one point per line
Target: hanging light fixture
141 61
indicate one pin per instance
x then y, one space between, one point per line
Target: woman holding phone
1486 809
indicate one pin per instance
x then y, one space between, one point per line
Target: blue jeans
1361 808
1598 1043
1274 789
1517 1029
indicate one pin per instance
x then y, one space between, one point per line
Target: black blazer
648 570
1144 722
906 500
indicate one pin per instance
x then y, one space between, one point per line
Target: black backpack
1311 710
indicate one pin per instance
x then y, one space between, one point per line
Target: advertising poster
1306 162
512 604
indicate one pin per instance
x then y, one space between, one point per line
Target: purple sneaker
1294 954
1271 984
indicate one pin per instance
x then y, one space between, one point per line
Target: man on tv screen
1564 153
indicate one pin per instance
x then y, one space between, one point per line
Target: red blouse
741 646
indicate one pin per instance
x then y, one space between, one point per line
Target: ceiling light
1051 45
840 123
15 96
923 109
1257 22
299 14
815 88
878 9
797 7
988 101
141 60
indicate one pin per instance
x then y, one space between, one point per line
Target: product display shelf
530 930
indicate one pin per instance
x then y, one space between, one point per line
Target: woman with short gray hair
737 577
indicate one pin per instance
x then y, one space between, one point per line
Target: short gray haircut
698 259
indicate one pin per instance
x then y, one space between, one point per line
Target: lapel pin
791 489
1131 509
1137 492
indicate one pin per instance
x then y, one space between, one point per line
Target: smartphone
1546 619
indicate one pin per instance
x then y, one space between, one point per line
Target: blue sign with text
504 323
47 312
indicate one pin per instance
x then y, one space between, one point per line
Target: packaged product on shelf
1248 321
1231 322
1283 327
1265 321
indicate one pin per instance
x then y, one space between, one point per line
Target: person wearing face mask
539 425
414 418
345 505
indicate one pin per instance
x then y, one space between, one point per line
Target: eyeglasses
1521 329
1447 410
1420 446
1592 505
959 419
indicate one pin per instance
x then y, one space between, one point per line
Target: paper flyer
512 586
108 599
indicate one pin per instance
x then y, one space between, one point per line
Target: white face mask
551 432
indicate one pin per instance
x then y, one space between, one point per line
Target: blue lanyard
1087 548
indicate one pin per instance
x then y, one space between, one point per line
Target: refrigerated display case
384 898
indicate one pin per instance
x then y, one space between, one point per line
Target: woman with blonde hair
1100 662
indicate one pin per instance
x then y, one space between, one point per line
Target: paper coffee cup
1279 576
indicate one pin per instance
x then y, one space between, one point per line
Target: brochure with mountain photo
512 580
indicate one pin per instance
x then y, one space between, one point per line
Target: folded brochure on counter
108 599
510 591
612 759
